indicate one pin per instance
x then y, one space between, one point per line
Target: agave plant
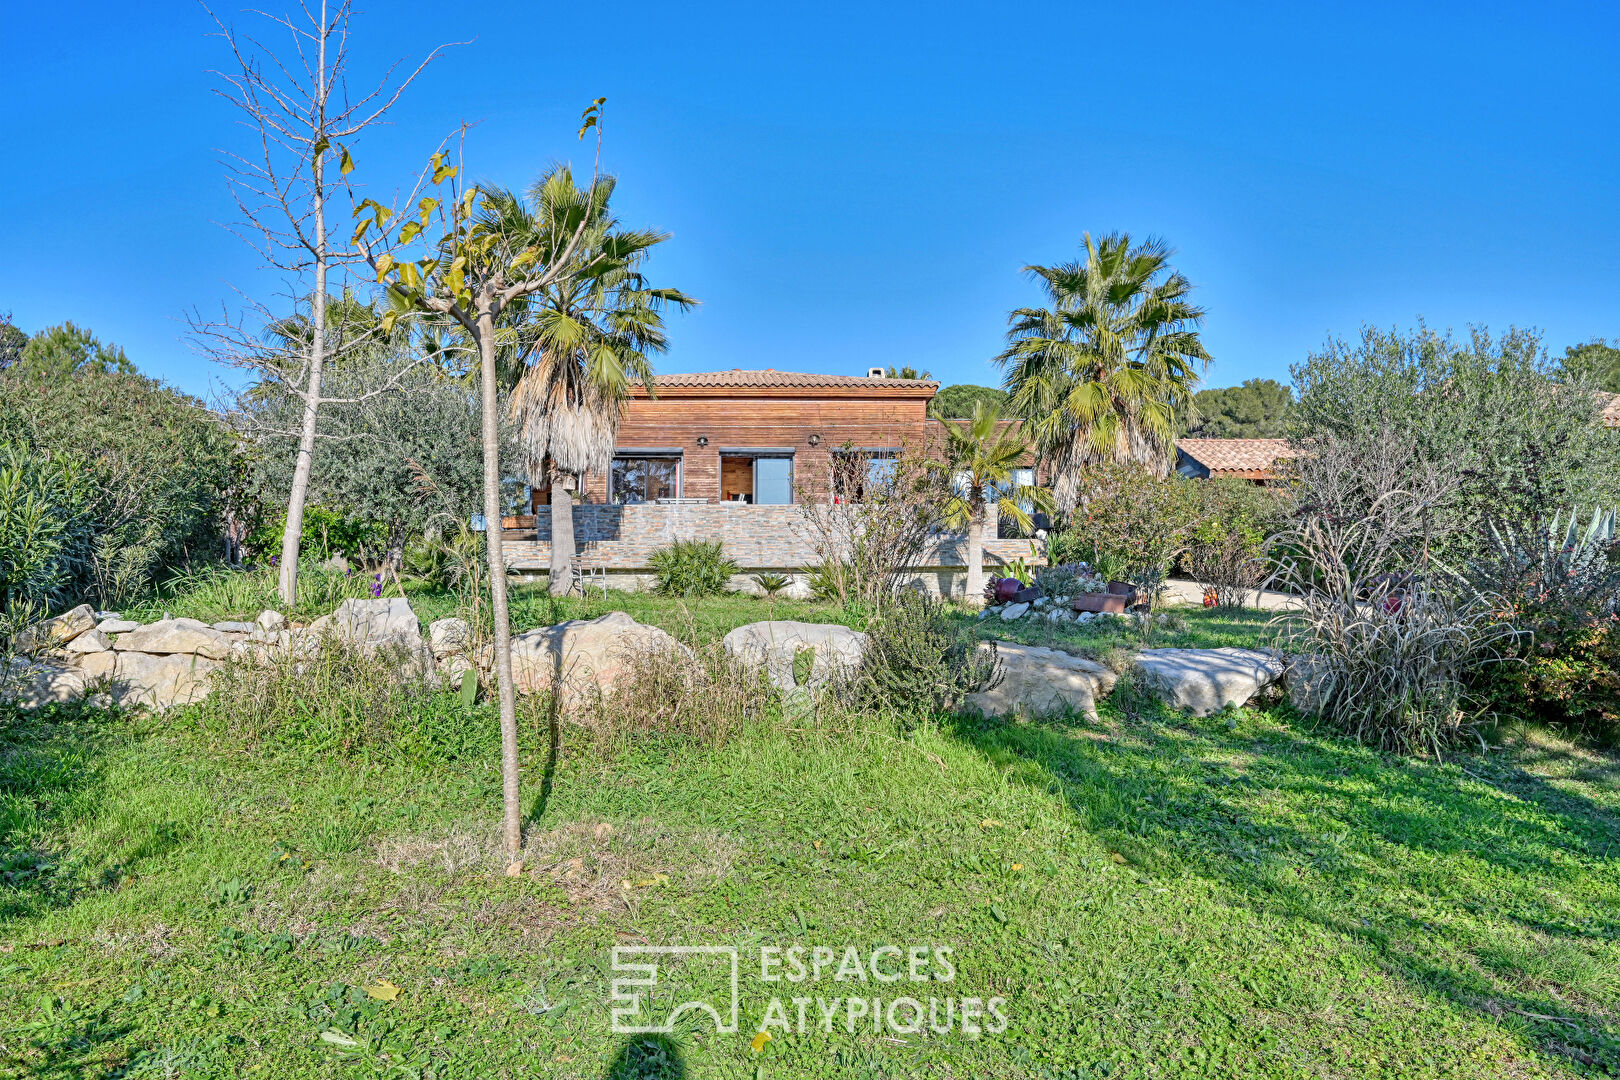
1564 562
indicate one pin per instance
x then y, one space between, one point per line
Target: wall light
815 440
703 440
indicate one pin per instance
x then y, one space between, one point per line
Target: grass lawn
1151 895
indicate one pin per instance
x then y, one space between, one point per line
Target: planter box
1109 602
1026 596
1121 588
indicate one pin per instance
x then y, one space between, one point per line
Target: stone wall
619 539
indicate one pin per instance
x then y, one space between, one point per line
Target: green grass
1185 628
1153 895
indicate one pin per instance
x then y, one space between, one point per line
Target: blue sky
856 184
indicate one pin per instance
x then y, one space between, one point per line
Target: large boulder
32 683
176 636
56 632
1040 681
372 623
775 645
447 637
161 682
582 657
1204 681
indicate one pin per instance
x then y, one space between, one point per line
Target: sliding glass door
773 481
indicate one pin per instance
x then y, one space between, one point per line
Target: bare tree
296 102
482 262
882 517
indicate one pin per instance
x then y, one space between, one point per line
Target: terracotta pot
1111 603
1006 589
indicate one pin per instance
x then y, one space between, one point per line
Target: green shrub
157 468
1132 525
1559 584
692 568
827 581
1228 549
45 534
918 660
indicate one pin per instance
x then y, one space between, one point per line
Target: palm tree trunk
562 537
975 559
512 831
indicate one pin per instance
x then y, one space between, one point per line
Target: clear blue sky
860 183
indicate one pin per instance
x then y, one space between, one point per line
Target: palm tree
981 457
585 339
1104 373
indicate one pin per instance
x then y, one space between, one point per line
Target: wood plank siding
736 414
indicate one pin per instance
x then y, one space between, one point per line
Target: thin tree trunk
292 536
975 559
512 832
562 537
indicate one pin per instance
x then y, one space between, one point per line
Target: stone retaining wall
619 539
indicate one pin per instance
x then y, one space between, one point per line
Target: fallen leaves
989 823
759 1041
383 991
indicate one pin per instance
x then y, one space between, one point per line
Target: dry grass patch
596 864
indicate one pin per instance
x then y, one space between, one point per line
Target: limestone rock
56 632
271 621
33 683
1204 681
91 641
337 564
161 682
1042 681
236 627
115 625
1014 611
176 636
373 623
449 636
1309 683
582 656
774 645
97 667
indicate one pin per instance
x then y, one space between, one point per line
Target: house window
763 478
643 478
856 472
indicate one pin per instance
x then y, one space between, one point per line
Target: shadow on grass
48 763
647 1057
1485 886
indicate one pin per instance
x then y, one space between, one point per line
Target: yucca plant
770 584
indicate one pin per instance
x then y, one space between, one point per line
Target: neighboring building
1246 459
726 455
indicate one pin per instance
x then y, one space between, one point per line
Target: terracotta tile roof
1253 459
769 377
